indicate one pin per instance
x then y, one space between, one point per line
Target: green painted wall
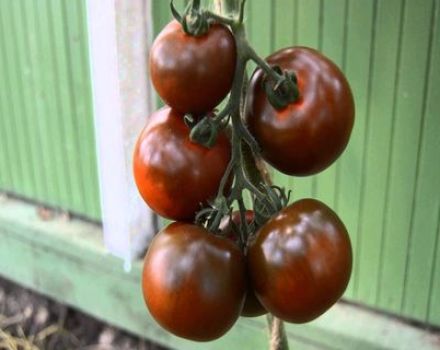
386 187
47 148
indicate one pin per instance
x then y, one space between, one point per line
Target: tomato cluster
199 278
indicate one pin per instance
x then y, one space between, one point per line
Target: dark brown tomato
252 306
300 261
193 282
174 175
193 74
308 135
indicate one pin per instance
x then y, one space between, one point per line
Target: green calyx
205 131
194 21
283 91
265 207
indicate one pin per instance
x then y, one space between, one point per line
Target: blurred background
57 182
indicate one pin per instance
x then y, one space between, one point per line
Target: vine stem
278 339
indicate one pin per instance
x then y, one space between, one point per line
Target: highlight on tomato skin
308 135
193 74
300 261
194 282
175 176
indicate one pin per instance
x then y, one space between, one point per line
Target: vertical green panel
161 13
434 292
20 28
48 150
89 159
13 110
383 79
79 81
260 26
348 199
309 34
332 44
43 128
409 104
426 205
285 24
53 133
9 169
285 34
308 22
24 110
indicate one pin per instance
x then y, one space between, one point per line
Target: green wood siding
386 186
47 147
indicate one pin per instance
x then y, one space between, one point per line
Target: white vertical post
118 39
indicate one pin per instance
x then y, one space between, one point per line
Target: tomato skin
173 174
308 135
300 261
252 306
193 74
193 282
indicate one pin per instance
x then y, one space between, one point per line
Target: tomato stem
245 149
278 339
267 199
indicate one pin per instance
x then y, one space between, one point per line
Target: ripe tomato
193 74
174 175
194 282
252 306
300 261
308 135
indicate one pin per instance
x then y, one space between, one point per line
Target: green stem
276 326
263 64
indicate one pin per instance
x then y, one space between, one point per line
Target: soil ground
29 321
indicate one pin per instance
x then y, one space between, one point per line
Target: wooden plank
308 34
16 86
332 45
260 26
82 114
14 114
35 136
49 86
97 284
378 136
433 315
428 178
9 168
426 202
84 130
284 22
45 130
406 135
48 128
309 14
284 35
351 166
24 64
70 101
